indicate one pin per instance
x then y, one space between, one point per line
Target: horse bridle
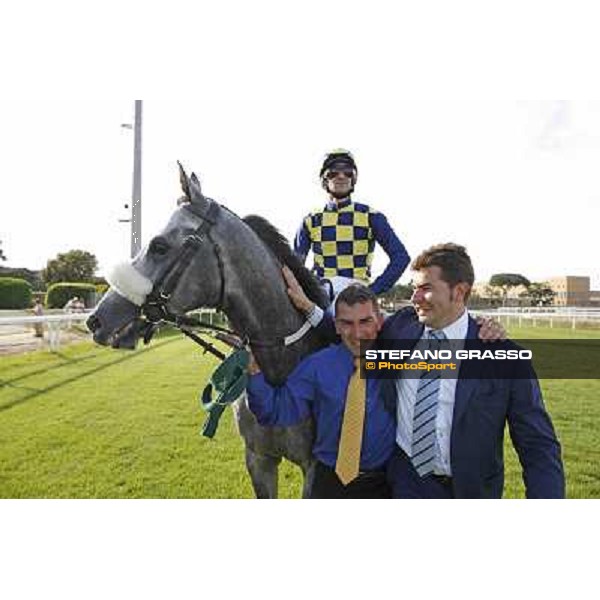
155 310
155 305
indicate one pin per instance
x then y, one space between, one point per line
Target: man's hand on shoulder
490 330
299 299
252 368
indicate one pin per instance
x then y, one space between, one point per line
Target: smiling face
361 321
339 183
436 302
339 179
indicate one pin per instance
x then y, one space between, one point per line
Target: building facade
570 290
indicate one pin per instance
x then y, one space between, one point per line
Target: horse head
206 256
156 283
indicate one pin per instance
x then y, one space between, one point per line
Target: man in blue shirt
343 234
318 387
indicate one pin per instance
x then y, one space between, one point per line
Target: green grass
575 411
91 422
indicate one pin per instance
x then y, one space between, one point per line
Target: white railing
557 310
55 323
544 316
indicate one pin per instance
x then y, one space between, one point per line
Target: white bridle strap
294 337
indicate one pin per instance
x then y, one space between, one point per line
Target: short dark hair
453 261
356 293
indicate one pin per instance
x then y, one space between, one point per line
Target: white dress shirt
406 389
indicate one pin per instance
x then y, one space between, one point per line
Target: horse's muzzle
100 335
115 322
93 323
127 338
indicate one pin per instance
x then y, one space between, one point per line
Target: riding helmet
340 156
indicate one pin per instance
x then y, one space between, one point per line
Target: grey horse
208 257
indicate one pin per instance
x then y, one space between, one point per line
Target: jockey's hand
490 330
299 299
252 367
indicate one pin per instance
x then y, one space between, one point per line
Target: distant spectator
38 311
73 305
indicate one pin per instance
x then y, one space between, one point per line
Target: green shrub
60 293
32 277
101 289
14 293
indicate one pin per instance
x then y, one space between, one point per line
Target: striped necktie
347 465
423 433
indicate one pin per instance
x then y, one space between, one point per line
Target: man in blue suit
450 432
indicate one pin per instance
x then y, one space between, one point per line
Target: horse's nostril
93 323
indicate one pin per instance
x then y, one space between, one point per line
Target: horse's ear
195 182
185 183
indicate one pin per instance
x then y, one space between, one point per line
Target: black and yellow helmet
340 157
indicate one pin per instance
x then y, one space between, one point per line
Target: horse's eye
159 246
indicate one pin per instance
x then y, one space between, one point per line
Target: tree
486 297
396 295
541 294
2 255
72 266
505 281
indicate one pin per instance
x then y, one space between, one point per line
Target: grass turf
92 422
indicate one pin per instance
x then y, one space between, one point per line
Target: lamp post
136 192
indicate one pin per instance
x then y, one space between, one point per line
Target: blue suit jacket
482 408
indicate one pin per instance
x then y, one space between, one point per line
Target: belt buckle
369 473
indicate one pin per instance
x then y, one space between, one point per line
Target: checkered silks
342 242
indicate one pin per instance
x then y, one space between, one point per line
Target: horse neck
258 306
265 321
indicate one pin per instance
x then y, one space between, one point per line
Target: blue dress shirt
318 387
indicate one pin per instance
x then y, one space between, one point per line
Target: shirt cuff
315 315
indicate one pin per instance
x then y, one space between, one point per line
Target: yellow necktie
348 460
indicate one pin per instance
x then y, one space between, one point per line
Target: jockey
342 235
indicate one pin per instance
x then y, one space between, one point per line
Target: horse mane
280 247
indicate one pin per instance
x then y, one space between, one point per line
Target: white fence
546 316
54 324
22 326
